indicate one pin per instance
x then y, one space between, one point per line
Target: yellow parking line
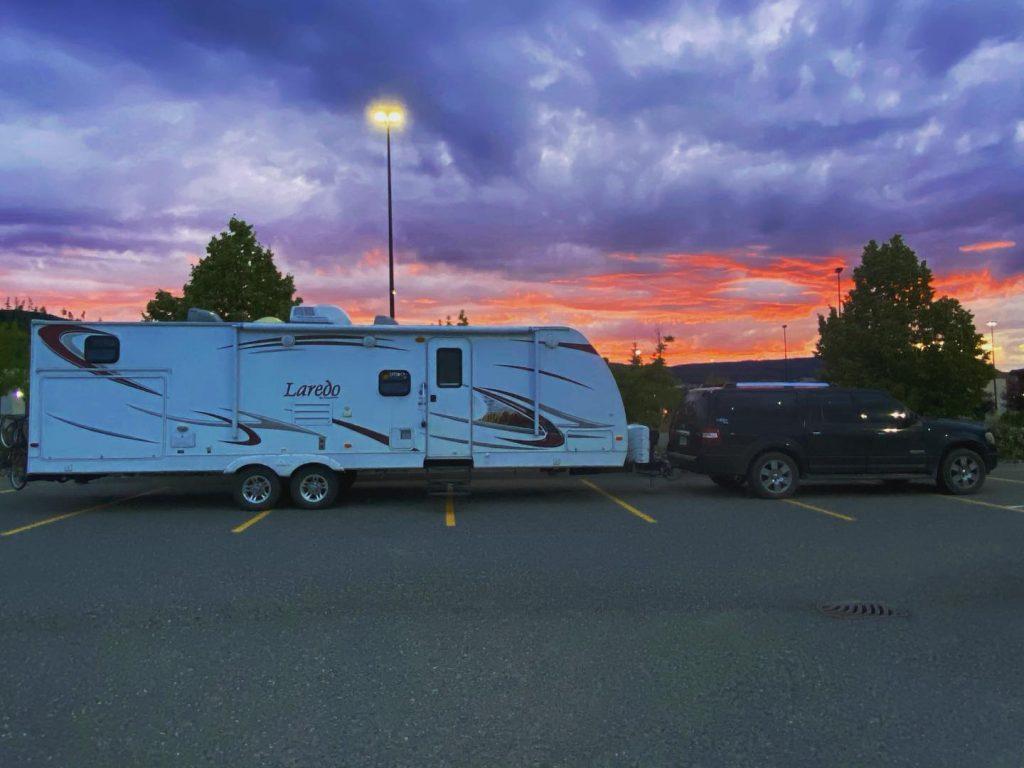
1005 480
77 512
8 490
982 503
449 510
626 506
251 521
828 512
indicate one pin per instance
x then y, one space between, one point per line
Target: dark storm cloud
617 126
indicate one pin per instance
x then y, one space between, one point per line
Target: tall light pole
839 291
388 116
995 392
785 351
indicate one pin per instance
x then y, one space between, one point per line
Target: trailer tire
257 488
314 486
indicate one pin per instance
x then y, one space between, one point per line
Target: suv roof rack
779 385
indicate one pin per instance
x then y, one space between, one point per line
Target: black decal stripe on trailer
580 422
544 373
251 438
101 431
552 436
53 338
384 439
261 422
569 345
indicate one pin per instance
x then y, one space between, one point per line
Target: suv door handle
816 432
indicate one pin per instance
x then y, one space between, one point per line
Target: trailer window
449 367
102 349
394 383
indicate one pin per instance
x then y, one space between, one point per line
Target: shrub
1009 432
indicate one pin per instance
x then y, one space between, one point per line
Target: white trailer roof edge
327 327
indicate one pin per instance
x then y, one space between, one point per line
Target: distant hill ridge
800 368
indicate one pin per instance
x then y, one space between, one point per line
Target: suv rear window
694 411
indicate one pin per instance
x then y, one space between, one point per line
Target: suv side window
836 408
879 408
772 407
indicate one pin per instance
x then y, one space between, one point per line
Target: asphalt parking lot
610 620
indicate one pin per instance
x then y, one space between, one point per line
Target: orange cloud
719 305
987 245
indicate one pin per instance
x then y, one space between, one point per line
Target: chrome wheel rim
313 488
256 489
964 472
776 476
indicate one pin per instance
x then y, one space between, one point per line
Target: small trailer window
102 349
394 383
449 367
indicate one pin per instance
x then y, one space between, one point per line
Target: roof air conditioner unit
384 320
197 315
321 314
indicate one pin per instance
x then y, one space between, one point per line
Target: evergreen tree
893 334
237 279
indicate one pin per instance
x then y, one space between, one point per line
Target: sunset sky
620 166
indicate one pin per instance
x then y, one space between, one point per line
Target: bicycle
14 438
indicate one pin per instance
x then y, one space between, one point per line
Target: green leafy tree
649 391
893 334
13 357
237 279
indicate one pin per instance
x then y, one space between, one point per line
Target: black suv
771 436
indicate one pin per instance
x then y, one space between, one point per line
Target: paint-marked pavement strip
8 490
65 516
983 503
449 510
1005 480
250 522
625 505
820 510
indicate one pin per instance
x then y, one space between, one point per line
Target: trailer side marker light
420 339
618 438
348 445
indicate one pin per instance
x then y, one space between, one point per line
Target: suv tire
962 471
773 475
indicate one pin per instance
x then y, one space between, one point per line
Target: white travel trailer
315 400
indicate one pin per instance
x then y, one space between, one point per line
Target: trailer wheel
314 486
257 488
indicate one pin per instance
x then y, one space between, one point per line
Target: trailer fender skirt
283 463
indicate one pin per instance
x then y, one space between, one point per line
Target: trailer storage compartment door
100 417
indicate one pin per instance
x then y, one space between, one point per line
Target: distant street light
785 351
839 291
388 116
995 392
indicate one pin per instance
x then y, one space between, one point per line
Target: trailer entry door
450 399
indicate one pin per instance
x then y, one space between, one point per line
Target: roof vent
321 314
384 320
197 315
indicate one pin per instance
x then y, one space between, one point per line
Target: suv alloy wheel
773 475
